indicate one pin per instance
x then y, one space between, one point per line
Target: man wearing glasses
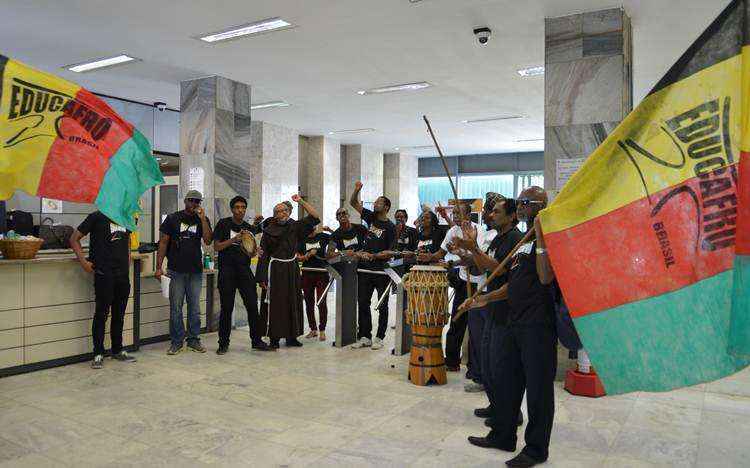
528 349
180 241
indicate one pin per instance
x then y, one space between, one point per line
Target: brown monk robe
279 274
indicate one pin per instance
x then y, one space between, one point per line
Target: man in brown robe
279 274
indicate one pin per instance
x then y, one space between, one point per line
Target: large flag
58 140
650 239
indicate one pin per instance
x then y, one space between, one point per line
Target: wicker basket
19 250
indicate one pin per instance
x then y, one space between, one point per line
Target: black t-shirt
109 244
406 240
531 302
430 243
185 236
319 243
233 255
381 236
350 239
499 248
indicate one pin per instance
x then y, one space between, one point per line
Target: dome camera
483 35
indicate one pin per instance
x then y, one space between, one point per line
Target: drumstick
323 294
442 158
385 294
496 271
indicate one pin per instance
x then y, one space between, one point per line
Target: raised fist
358 185
296 198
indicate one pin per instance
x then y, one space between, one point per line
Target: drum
427 313
249 246
427 290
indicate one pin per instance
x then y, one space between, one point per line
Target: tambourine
248 244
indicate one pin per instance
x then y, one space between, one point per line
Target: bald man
528 349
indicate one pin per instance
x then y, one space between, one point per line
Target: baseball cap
194 194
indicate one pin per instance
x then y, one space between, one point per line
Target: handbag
55 236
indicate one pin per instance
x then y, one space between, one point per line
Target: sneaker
175 349
197 346
123 356
377 343
473 387
363 342
312 334
222 350
98 362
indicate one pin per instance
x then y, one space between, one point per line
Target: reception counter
47 307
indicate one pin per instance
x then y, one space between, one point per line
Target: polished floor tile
324 406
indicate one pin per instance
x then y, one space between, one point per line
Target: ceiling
339 47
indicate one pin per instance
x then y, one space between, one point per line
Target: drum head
249 245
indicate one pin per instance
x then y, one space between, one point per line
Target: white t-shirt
483 241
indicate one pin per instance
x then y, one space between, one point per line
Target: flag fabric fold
58 140
650 239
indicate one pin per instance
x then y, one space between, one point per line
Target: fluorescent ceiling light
423 147
353 130
100 63
492 119
265 105
394 88
532 71
533 139
269 24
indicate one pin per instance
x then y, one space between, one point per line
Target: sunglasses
527 202
197 201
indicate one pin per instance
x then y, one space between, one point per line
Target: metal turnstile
343 270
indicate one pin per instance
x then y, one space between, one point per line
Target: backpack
21 222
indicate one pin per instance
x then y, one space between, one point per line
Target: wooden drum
427 313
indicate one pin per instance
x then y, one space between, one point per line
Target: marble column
588 85
274 163
320 175
215 142
400 172
363 163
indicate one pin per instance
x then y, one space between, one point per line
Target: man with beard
279 274
527 353
235 275
381 235
180 241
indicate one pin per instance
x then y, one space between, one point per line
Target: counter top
59 257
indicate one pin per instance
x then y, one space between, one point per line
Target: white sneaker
362 343
377 343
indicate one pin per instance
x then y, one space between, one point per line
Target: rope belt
270 264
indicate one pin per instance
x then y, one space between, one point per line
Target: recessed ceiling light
493 119
423 147
100 63
533 139
269 24
531 71
353 130
266 105
394 88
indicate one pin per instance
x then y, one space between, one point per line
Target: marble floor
324 406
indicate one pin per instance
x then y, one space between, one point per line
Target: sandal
322 336
312 334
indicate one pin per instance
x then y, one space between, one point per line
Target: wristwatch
541 251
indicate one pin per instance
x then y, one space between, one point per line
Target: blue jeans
182 286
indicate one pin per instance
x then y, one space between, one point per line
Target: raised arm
354 200
308 207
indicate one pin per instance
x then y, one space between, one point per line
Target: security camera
161 106
483 35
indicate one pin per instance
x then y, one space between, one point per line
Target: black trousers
231 280
527 359
477 322
366 284
112 292
457 328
